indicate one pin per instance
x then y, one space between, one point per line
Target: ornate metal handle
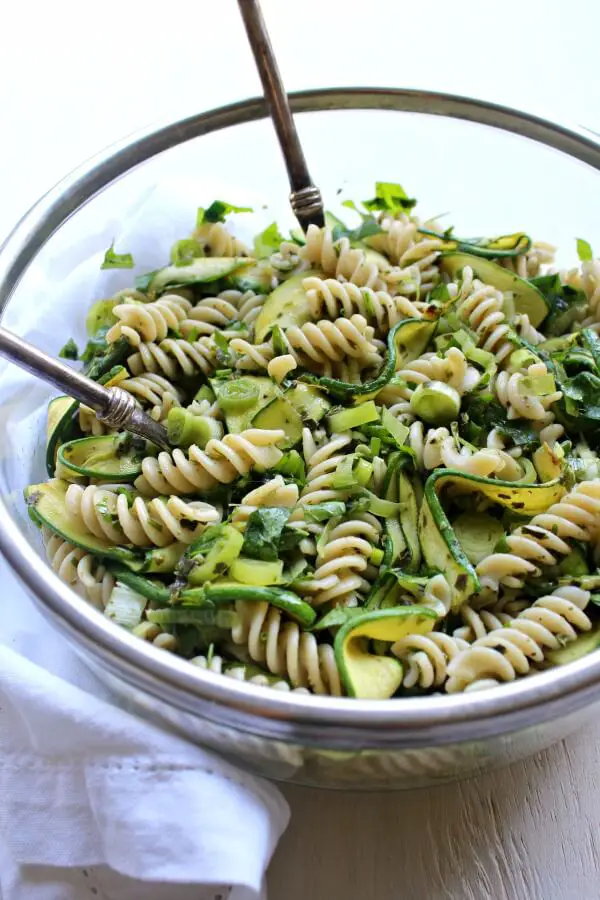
305 199
113 405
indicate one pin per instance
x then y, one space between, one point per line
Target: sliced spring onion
237 396
256 572
538 385
522 358
185 429
436 402
347 419
363 471
398 431
125 606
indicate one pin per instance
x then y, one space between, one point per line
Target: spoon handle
305 198
113 406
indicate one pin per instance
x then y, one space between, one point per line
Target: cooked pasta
383 475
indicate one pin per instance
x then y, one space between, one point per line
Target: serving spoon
114 406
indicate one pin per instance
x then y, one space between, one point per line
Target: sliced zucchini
258 278
48 502
581 646
213 553
200 271
117 457
442 551
477 534
364 674
286 306
239 421
61 426
402 528
308 401
256 572
347 419
527 298
490 248
278 413
101 315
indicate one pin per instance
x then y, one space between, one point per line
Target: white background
76 76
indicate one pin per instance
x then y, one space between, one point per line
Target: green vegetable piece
116 457
278 413
200 618
256 572
268 241
185 251
125 606
478 534
577 649
151 589
264 532
575 564
213 552
185 429
232 591
395 428
60 427
198 271
114 260
584 250
565 303
521 359
69 351
237 396
389 197
217 211
507 245
308 401
287 306
362 472
365 675
101 315
538 385
436 402
347 419
321 512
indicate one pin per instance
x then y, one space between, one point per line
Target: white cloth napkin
97 803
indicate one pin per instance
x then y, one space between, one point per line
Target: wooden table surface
530 831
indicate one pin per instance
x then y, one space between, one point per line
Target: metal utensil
113 406
305 199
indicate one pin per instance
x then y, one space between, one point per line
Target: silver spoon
113 406
305 198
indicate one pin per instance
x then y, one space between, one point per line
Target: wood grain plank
527 832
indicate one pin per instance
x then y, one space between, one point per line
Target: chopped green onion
185 429
363 471
347 419
376 556
522 358
236 396
343 477
436 402
538 385
397 430
205 393
125 606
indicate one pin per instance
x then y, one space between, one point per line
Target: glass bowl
494 171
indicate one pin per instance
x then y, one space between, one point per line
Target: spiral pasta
211 314
544 540
426 657
79 569
174 357
338 259
481 307
274 492
157 522
241 672
509 651
530 263
286 650
333 297
148 322
221 462
437 447
406 247
216 240
522 403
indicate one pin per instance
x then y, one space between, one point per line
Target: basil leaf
320 512
217 211
69 351
584 250
114 260
268 241
391 198
264 532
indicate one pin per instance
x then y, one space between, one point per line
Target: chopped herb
264 532
268 241
114 260
142 282
584 250
217 211
390 198
69 351
320 512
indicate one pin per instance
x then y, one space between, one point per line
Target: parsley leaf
114 260
391 198
264 532
217 211
584 250
268 241
69 351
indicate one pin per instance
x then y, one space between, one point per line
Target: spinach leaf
565 302
69 351
268 241
217 211
390 198
584 250
114 260
264 532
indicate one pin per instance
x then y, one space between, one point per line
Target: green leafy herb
69 351
268 241
217 211
264 532
481 412
566 303
142 282
184 252
114 260
367 228
291 465
584 250
320 512
390 198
